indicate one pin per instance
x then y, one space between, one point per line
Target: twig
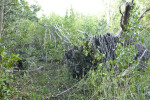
142 55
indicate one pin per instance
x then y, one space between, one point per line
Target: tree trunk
124 19
1 16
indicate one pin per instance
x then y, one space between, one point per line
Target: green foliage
125 56
128 83
16 11
19 40
6 76
29 39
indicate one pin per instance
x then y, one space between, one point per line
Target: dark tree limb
132 1
126 14
124 21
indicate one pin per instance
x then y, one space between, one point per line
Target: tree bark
1 16
124 19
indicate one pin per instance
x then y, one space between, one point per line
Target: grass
54 80
51 80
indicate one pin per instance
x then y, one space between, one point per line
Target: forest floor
53 82
44 84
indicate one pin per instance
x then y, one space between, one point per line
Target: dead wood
79 64
106 45
16 69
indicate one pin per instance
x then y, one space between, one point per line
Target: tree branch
124 18
121 17
7 11
60 94
33 70
143 14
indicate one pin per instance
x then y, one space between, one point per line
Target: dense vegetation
42 42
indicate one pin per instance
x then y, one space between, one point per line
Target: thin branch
144 30
54 96
121 17
58 34
7 11
60 94
57 28
54 37
129 69
142 54
120 10
143 14
147 24
16 69
41 67
45 38
62 33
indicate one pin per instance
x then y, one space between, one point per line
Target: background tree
1 16
15 11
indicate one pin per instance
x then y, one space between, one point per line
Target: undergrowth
54 82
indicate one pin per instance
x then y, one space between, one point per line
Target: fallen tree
80 63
